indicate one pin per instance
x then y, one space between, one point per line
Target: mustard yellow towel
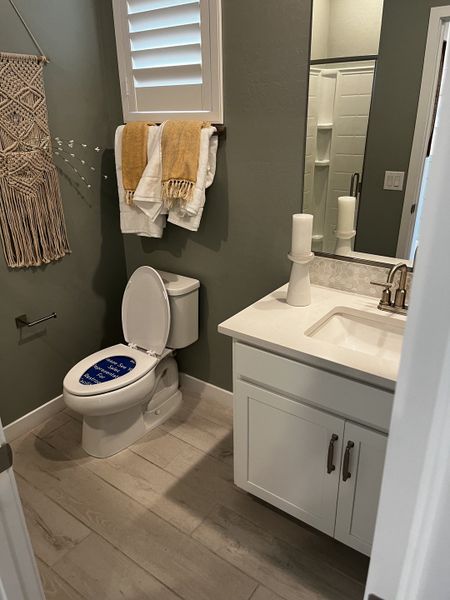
134 156
180 148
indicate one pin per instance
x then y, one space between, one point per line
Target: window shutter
169 54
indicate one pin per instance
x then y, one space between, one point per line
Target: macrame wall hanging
32 227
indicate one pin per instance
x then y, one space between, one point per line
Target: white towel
132 218
148 194
189 216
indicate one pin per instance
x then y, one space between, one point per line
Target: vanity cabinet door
288 454
359 487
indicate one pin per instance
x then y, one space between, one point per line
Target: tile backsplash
348 276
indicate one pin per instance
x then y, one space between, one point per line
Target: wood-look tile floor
163 520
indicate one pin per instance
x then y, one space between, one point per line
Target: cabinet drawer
339 395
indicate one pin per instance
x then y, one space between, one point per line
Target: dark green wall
84 288
392 121
239 253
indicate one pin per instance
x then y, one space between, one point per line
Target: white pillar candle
302 226
346 214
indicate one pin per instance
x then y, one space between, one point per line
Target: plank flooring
163 520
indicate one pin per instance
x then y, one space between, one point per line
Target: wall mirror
373 96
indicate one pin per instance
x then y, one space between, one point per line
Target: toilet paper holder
22 320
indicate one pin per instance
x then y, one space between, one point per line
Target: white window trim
211 14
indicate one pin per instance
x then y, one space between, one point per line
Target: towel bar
221 130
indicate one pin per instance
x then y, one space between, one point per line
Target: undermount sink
380 336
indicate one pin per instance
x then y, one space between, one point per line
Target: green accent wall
392 121
240 252
84 288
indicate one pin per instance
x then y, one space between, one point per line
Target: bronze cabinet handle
345 472
330 456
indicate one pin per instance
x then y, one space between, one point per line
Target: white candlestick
346 214
299 288
302 226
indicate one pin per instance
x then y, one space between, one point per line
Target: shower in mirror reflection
344 47
338 116
373 104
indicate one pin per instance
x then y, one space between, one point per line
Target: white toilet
125 390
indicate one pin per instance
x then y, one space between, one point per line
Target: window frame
212 86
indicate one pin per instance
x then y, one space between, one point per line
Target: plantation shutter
169 55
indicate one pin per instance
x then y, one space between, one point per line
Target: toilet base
106 435
153 418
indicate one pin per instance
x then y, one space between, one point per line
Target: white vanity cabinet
298 447
281 450
362 465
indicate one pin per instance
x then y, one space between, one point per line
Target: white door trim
19 577
424 122
410 551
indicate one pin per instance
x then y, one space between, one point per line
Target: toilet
125 390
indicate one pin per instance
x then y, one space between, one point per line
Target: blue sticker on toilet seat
108 369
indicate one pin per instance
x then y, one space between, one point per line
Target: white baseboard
203 389
31 420
189 384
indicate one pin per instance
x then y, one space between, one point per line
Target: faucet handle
384 284
386 294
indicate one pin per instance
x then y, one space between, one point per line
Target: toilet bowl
127 389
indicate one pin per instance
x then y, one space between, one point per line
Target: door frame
439 16
22 581
410 551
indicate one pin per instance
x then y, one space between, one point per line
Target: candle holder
317 242
344 242
299 288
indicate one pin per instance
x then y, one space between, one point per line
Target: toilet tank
183 300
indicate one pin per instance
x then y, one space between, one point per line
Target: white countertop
274 325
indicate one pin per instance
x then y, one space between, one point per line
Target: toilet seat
146 326
143 364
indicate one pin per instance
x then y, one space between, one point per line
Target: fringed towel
148 194
180 148
132 218
32 227
190 215
134 156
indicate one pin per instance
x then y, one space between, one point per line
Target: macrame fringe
177 190
32 226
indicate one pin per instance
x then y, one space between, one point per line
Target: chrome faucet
398 305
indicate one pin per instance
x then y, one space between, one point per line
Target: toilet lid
146 311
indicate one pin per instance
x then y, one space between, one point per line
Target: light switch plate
393 180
